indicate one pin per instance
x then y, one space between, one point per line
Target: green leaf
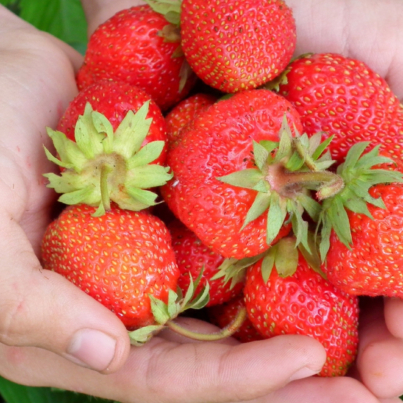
287 257
170 9
148 176
275 218
76 197
147 154
141 336
159 310
131 132
145 197
246 178
260 155
259 206
16 393
268 263
104 127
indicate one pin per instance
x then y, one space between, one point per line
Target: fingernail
304 372
92 349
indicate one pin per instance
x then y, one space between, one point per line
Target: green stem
105 170
225 332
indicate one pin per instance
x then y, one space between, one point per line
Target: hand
53 334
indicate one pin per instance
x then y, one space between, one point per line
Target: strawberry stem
222 334
105 170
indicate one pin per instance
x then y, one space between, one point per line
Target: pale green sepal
59 183
270 146
260 155
96 138
311 206
262 186
268 263
77 196
173 307
315 149
300 228
170 9
295 163
159 310
68 150
259 206
143 335
354 154
137 201
148 176
201 299
312 257
322 166
103 126
326 230
100 211
53 159
147 154
146 197
247 178
340 222
285 144
130 134
83 139
275 218
286 261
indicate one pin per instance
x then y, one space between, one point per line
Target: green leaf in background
14 393
64 19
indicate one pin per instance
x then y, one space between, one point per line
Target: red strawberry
224 314
192 257
138 46
237 45
118 259
304 303
114 100
346 99
227 174
185 111
372 265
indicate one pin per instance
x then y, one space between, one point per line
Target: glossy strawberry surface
192 256
114 100
234 45
344 98
305 304
185 111
118 259
217 143
129 47
373 265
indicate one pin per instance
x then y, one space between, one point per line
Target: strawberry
302 303
118 259
118 160
360 226
140 47
114 100
223 314
237 45
230 186
347 100
185 111
192 258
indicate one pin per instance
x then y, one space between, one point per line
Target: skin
42 313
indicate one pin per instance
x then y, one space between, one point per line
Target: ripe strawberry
118 259
372 264
227 174
138 46
223 314
114 100
185 111
346 99
360 226
192 257
104 160
237 45
303 303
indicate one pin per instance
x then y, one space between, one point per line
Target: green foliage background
64 19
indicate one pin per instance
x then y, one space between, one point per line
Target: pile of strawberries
204 168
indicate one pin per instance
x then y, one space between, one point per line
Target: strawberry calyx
103 166
285 172
165 313
170 9
359 175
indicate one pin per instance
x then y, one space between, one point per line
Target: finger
366 30
393 316
380 355
323 390
98 11
177 373
40 308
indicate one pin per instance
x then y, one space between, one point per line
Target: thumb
41 308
